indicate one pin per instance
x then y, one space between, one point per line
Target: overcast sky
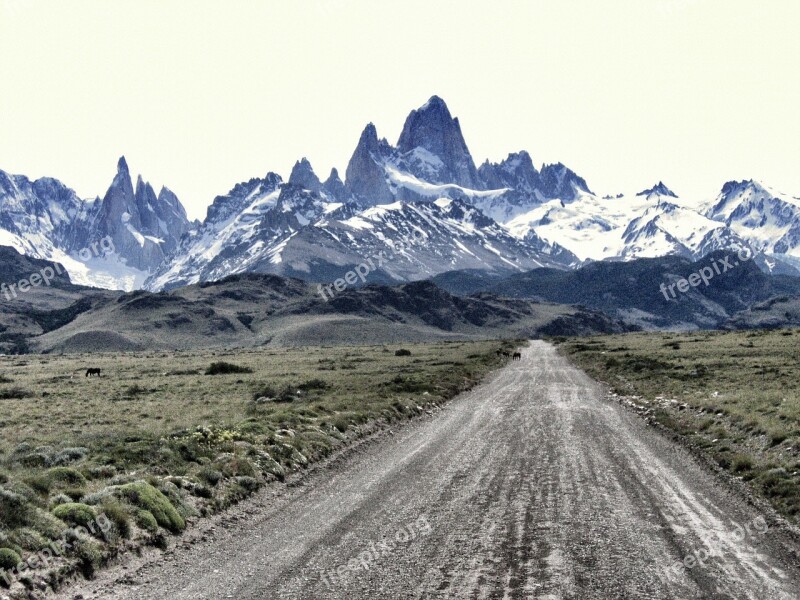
200 95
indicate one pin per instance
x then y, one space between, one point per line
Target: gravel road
533 485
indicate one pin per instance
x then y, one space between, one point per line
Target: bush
741 464
27 538
117 514
314 384
70 455
145 520
14 393
13 508
211 476
224 368
89 555
402 352
249 483
9 559
57 477
75 513
144 495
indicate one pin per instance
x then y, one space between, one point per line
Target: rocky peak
433 129
558 181
122 166
516 171
365 172
335 187
303 175
659 189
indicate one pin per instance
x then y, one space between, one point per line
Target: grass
735 395
155 441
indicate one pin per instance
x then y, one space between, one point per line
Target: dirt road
530 486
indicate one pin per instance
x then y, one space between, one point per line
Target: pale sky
200 95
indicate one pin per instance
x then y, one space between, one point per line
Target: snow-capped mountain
651 223
500 217
299 229
113 243
768 220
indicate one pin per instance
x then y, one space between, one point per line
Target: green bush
314 384
75 513
14 508
57 477
14 393
118 515
210 476
89 555
144 495
145 520
225 368
28 539
9 559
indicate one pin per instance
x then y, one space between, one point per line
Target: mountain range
495 219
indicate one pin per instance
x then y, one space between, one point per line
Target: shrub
211 476
249 483
13 508
133 391
69 455
145 520
57 477
224 368
88 553
117 514
144 495
314 384
741 464
265 391
9 559
27 538
75 513
287 394
14 393
402 352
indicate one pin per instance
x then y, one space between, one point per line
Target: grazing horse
92 371
516 356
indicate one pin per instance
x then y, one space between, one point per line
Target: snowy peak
366 180
431 131
659 190
516 172
122 166
303 176
335 187
241 197
558 181
767 219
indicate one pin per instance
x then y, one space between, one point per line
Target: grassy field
733 394
162 437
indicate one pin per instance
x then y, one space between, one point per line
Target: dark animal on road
92 371
517 356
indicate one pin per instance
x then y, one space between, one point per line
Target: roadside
734 397
168 440
532 485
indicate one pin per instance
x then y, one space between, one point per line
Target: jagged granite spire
303 176
365 176
432 129
335 187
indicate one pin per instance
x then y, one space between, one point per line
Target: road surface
530 486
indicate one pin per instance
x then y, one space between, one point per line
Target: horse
516 356
92 371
